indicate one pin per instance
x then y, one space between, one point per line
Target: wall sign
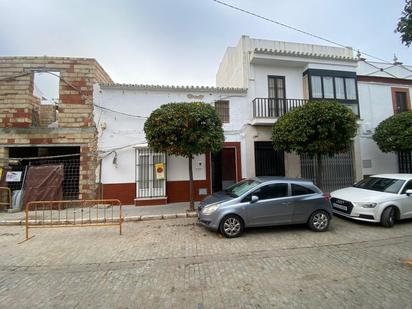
13 176
160 171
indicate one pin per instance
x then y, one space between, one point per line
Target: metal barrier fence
73 213
5 192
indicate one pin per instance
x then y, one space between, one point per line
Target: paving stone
178 264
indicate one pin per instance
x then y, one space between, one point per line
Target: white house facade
384 90
280 76
128 166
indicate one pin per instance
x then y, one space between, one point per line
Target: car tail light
326 196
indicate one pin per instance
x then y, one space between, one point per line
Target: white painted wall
375 102
119 133
293 80
178 168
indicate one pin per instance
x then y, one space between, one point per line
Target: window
339 88
46 87
400 100
388 185
300 190
328 87
408 186
150 173
333 85
316 87
222 109
272 191
242 187
276 87
350 88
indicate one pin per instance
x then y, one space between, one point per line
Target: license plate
345 208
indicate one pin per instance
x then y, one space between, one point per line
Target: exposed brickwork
77 76
47 115
21 113
4 153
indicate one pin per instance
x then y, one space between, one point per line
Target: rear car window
388 185
301 190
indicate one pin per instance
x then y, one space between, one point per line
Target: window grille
222 109
150 182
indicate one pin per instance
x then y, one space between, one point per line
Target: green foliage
184 129
395 133
404 26
316 128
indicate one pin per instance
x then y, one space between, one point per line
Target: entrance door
223 169
268 161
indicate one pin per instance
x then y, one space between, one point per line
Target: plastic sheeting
44 183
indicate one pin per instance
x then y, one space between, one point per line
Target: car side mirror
254 199
409 192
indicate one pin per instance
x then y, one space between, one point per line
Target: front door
223 169
268 161
273 207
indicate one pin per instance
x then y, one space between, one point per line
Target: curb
192 214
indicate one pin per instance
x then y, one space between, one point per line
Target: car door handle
285 203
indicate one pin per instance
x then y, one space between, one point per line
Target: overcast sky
181 42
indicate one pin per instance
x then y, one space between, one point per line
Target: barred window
222 109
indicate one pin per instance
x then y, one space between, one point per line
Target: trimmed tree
317 128
185 129
394 134
404 26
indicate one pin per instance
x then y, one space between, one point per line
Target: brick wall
77 76
24 121
47 115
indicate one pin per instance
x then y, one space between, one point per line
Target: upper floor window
333 85
400 100
330 87
276 87
222 109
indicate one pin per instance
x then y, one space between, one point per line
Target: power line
291 27
117 112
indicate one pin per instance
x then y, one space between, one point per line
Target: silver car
265 201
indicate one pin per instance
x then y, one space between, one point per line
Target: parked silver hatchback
265 201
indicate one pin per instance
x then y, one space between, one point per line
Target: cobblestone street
177 264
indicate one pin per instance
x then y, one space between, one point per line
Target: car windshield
239 188
388 185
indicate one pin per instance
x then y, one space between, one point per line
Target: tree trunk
191 189
319 171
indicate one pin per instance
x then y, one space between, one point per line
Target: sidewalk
129 213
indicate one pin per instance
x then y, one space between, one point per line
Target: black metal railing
274 108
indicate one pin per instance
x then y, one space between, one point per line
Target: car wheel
231 226
388 217
319 221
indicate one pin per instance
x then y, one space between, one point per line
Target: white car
380 198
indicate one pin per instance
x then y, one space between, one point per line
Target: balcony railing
274 108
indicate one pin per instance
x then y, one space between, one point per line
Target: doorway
268 161
223 169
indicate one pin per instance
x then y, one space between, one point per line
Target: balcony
267 110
